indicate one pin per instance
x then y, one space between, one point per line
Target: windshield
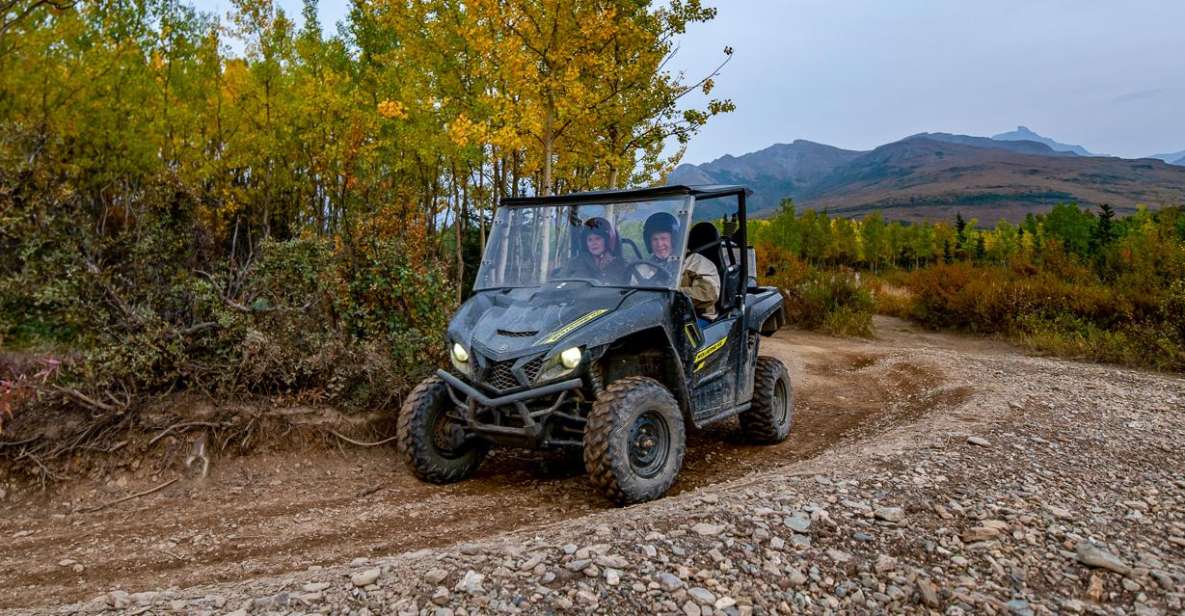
636 243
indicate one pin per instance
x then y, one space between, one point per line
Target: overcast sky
1107 75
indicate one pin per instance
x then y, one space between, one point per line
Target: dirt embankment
865 411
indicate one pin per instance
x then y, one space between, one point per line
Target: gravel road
926 473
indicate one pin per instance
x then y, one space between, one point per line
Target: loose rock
365 578
1093 555
702 595
707 530
471 583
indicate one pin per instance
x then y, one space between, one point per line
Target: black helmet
661 222
600 226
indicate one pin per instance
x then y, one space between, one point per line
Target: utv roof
631 194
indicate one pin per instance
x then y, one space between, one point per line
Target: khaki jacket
701 282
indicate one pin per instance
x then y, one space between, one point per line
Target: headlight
571 357
558 366
460 359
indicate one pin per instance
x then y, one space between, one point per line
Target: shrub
1075 318
144 315
779 267
831 302
890 295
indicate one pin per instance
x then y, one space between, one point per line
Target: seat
704 239
735 281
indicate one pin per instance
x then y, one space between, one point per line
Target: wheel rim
649 444
781 405
447 437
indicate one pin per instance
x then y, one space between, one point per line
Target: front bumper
529 428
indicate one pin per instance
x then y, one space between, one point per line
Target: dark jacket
611 271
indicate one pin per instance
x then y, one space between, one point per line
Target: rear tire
768 420
434 446
634 441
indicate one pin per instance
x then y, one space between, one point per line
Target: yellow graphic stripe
702 355
555 336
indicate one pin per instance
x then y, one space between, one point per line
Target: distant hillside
920 178
1020 147
1022 133
930 176
777 171
1176 158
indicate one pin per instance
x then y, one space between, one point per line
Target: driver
599 258
699 278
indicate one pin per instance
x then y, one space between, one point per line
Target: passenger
600 258
699 278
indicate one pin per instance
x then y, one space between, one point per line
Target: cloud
1139 95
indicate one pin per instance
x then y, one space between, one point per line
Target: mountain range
931 176
1022 133
1176 158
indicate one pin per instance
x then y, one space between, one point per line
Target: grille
501 377
510 334
533 367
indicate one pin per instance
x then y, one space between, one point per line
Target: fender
642 311
761 306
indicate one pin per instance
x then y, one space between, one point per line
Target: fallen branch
130 497
94 432
15 443
369 491
45 472
87 400
360 443
239 306
178 557
111 449
187 424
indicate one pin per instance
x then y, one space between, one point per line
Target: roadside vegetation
1072 282
237 206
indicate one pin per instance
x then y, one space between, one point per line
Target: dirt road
267 515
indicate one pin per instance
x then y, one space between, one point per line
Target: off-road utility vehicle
578 336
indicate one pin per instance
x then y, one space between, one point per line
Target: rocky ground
996 483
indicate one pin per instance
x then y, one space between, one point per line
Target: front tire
768 420
634 441
435 446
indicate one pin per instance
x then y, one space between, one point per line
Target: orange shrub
1075 317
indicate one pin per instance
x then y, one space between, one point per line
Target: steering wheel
656 272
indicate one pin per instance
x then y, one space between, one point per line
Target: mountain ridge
772 172
1023 133
930 176
1173 158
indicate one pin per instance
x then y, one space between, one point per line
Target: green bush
1075 318
832 302
145 312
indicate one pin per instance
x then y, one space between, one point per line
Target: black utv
582 333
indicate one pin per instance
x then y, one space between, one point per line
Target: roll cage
698 193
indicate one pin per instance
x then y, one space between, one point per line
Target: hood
509 323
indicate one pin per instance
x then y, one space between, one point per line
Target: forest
1074 282
237 204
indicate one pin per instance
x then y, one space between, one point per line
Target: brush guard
520 419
